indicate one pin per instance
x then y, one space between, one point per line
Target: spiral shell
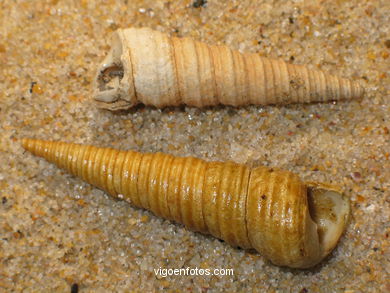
289 222
149 67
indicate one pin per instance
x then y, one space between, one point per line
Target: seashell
149 67
289 222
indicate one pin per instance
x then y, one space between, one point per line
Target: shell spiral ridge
150 67
289 222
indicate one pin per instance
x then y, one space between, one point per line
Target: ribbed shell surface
258 208
160 70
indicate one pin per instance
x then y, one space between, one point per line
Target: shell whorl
260 208
149 67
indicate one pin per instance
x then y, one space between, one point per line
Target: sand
57 231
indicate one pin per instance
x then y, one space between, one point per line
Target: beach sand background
57 231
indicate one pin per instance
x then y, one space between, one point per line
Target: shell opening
110 74
329 209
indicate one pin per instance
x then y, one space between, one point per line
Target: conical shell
149 67
289 222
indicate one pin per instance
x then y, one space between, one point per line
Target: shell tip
25 143
359 89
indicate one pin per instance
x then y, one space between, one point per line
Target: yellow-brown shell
149 67
290 223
